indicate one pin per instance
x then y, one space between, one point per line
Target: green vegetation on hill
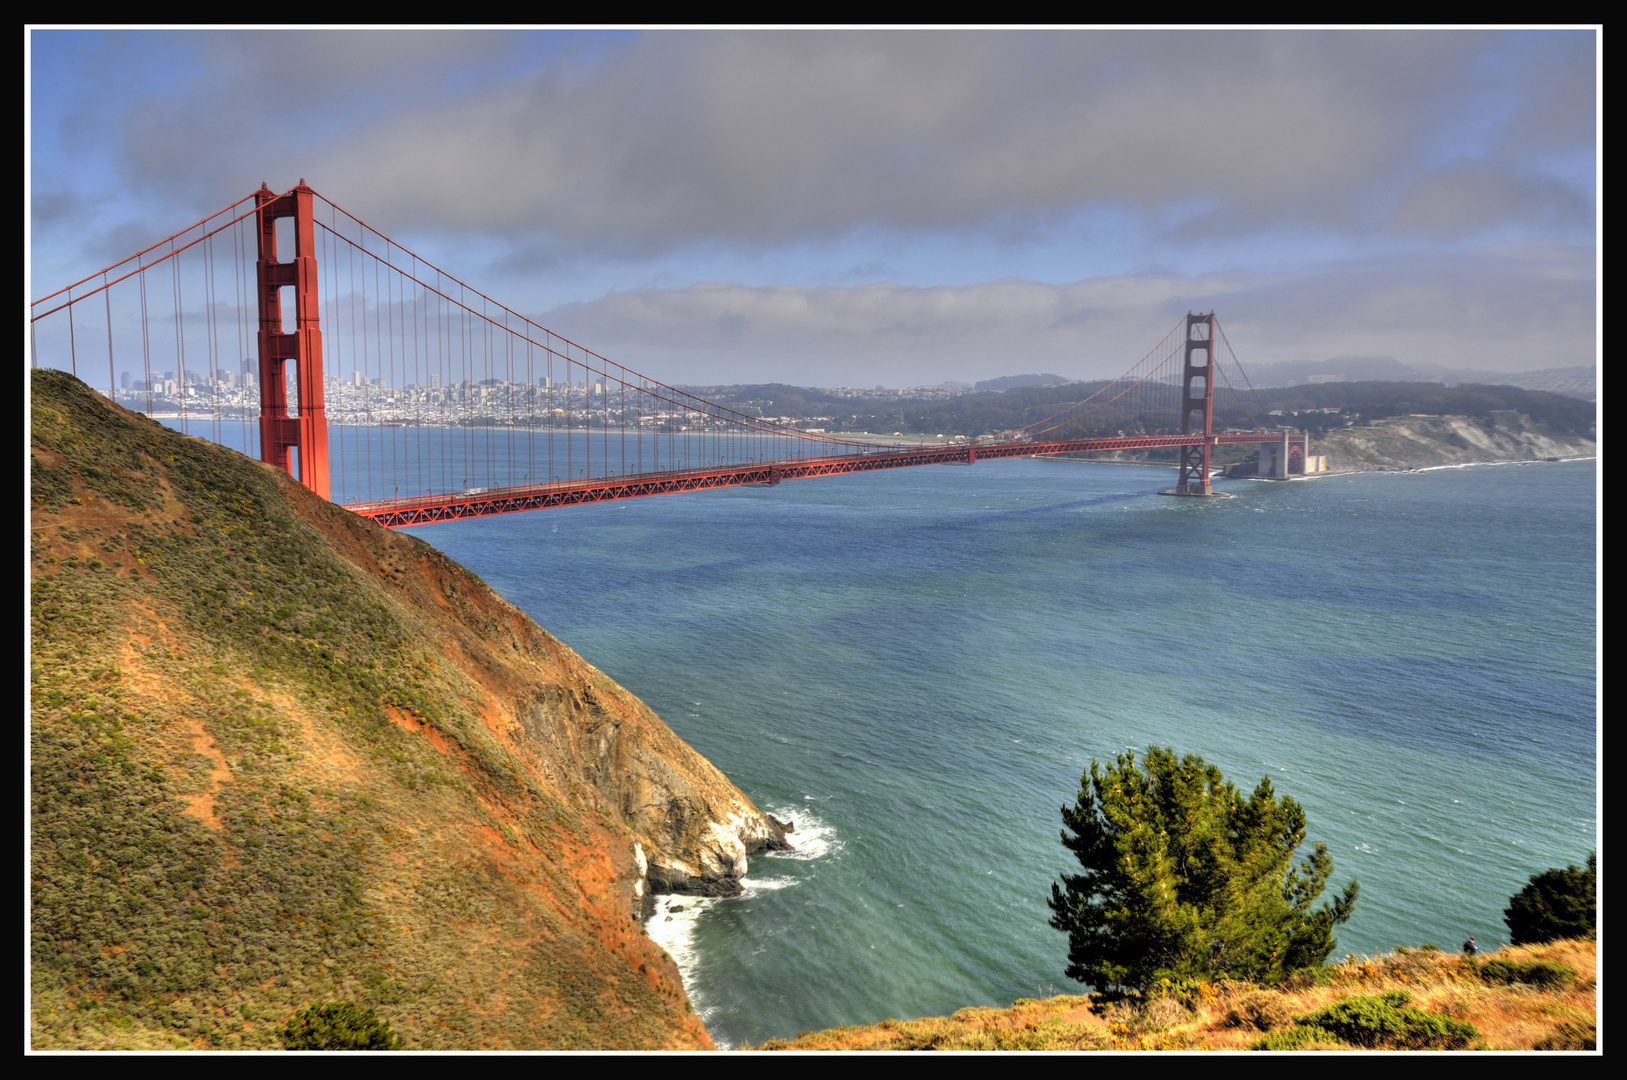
1363 402
338 1025
264 776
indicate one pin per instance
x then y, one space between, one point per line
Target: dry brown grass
1232 1016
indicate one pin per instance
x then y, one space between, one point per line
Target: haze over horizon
901 207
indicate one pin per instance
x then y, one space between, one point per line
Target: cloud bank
1525 306
1428 195
762 137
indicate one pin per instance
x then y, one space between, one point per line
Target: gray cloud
263 104
49 207
1511 308
1458 199
761 137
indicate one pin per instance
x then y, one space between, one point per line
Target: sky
882 207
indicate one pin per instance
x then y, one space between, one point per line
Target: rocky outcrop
694 829
1422 442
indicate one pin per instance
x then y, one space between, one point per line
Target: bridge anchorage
304 337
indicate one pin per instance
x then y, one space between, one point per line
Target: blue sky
900 207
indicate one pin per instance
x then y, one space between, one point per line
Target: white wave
752 884
1483 464
674 931
675 919
812 839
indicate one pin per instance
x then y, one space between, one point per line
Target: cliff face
281 756
1421 442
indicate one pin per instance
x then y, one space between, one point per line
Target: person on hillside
1470 948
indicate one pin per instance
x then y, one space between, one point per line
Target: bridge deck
427 509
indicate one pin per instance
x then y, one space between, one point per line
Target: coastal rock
694 830
1422 442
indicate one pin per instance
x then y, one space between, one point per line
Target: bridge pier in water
1193 478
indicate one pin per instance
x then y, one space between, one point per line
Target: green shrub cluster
1376 1022
338 1025
1542 973
1299 1038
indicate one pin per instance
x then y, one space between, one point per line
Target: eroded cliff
1422 442
281 755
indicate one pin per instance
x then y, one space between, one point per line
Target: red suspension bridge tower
306 430
1200 337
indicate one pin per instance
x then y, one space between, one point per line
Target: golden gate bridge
447 404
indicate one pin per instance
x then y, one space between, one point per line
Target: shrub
1536 973
1163 1012
1260 1009
338 1025
1384 1021
1556 904
1298 1038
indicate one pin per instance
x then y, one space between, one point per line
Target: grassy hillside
282 756
1541 997
1319 408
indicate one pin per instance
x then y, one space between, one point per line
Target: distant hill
1317 406
1020 382
283 756
1577 382
1321 406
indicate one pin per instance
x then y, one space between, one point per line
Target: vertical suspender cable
180 338
107 303
146 348
73 349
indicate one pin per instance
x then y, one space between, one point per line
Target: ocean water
915 667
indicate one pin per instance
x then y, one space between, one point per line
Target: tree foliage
1556 904
338 1025
1184 877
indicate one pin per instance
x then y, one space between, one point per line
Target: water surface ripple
917 665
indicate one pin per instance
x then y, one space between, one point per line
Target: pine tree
1556 904
1185 878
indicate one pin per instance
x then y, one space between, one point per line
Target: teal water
916 666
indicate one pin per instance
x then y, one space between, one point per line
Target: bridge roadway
427 509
